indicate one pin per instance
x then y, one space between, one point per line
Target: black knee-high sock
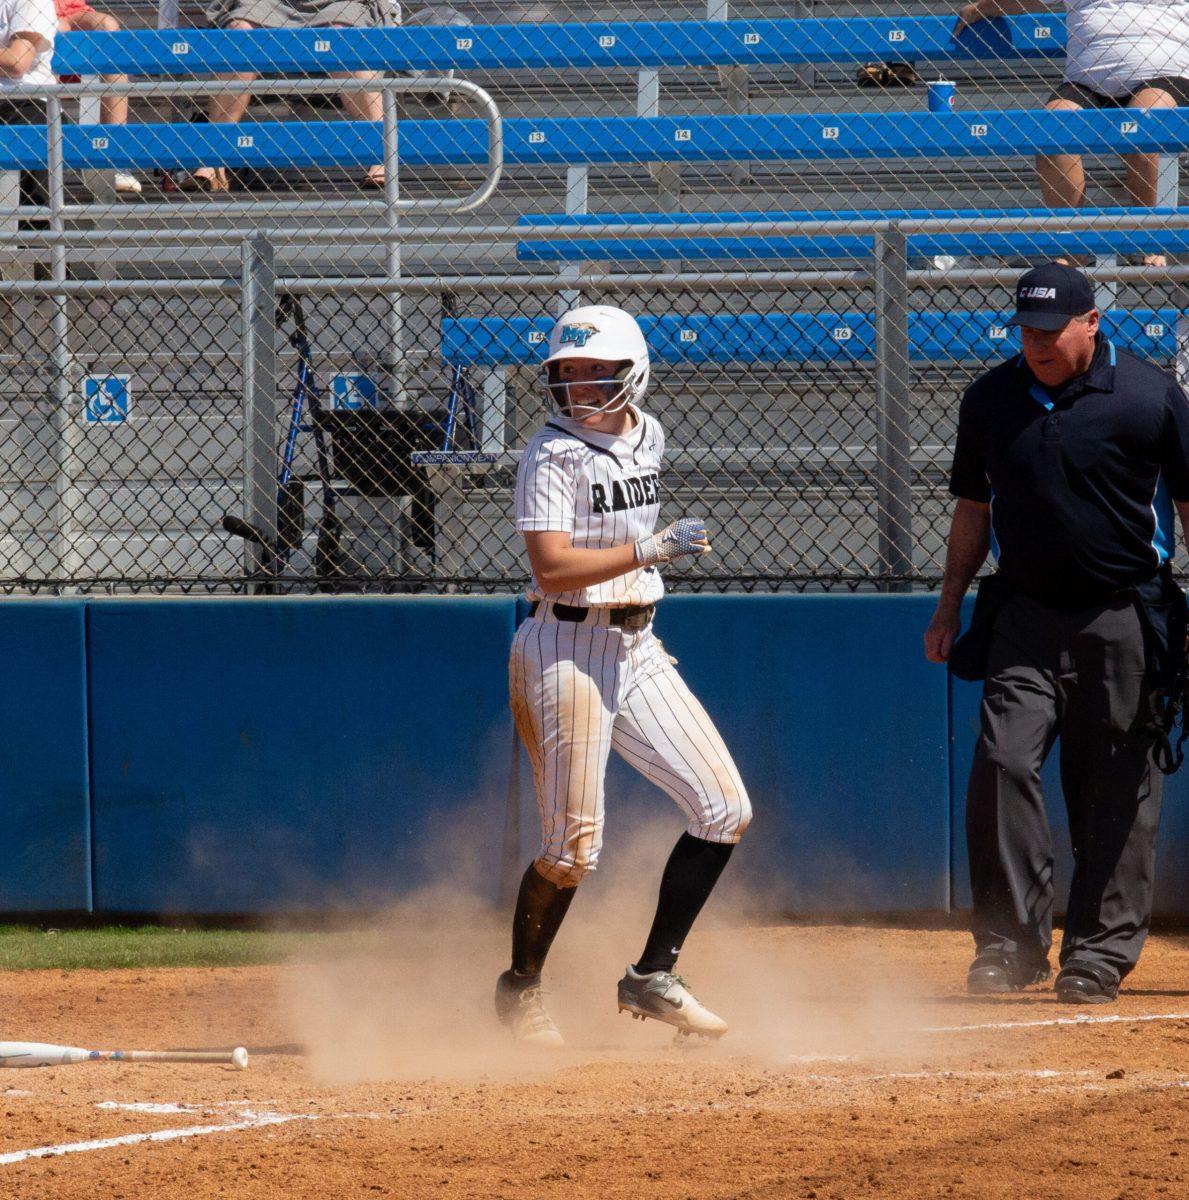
690 875
540 909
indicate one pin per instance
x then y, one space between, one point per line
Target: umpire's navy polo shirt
1080 478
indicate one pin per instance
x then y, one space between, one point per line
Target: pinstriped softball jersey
601 490
580 689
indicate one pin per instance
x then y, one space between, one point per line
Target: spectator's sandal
205 179
373 181
887 75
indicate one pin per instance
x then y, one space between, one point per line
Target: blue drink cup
941 94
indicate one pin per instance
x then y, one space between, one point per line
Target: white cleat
522 1009
664 996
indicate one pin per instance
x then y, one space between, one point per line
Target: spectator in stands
294 14
78 15
435 14
27 29
1119 54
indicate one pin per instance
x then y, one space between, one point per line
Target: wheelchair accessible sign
106 399
353 391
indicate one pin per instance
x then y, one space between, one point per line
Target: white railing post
101 183
494 412
648 104
68 496
258 370
893 439
735 81
394 371
577 205
1168 181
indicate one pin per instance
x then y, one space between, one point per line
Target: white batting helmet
598 331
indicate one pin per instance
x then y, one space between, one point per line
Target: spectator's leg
366 106
226 108
1143 169
1062 180
113 110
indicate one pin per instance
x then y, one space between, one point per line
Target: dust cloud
410 997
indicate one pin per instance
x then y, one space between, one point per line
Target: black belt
631 616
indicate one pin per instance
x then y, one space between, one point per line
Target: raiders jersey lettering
602 491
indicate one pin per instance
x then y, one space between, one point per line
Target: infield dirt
843 1075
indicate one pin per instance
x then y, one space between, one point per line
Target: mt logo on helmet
577 335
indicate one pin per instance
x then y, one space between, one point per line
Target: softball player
588 675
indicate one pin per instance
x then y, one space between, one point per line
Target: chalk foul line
1113 1019
249 1120
246 1119
142 1106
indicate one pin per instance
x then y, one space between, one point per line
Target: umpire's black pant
1079 675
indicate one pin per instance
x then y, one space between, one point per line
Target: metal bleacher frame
566 239
646 47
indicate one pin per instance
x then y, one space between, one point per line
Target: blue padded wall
839 727
221 756
296 754
44 814
1172 859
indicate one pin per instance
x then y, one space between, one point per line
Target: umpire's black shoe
1079 984
993 974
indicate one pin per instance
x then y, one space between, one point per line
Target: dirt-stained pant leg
664 732
565 680
1112 793
578 689
1007 832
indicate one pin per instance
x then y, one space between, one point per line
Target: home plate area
825 1086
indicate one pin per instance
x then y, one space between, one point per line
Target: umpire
1070 459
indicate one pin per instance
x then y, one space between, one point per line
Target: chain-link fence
260 365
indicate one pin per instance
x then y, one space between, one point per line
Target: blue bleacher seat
606 45
633 248
616 140
840 338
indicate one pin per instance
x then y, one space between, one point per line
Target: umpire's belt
631 616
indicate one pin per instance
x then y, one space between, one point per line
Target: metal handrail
907 225
53 95
1118 222
548 282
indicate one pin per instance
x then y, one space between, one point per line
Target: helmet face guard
622 388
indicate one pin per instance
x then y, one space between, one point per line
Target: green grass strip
26 948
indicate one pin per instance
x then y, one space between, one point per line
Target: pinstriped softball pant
578 690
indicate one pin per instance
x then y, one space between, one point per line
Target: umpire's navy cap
1049 297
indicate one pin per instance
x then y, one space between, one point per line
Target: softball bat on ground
45 1054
